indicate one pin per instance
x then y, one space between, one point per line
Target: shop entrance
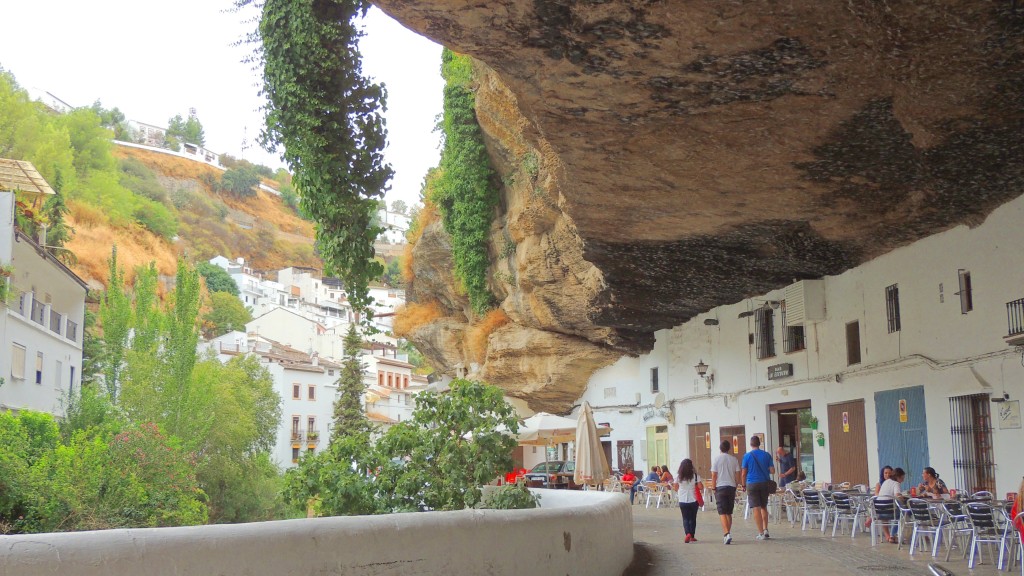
791 427
700 448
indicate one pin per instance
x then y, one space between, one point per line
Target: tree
399 207
240 181
184 130
393 273
227 313
349 416
57 231
217 278
115 316
112 119
454 443
329 119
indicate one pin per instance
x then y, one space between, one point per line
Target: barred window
792 336
764 332
971 429
892 307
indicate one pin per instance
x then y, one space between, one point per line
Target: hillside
261 229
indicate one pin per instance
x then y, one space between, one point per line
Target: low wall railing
576 533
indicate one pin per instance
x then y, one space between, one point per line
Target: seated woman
886 473
891 489
666 476
932 486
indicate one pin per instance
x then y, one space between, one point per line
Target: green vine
6 271
465 193
328 117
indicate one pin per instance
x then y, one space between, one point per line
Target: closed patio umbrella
591 464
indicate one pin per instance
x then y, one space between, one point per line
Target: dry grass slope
413 315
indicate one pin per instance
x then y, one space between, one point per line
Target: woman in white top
891 489
688 481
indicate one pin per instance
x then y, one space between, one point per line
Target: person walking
725 473
688 482
756 475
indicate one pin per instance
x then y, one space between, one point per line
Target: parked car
553 474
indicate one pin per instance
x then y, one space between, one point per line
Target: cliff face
661 158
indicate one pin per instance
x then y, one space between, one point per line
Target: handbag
698 493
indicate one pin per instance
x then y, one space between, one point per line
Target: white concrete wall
938 347
321 407
574 533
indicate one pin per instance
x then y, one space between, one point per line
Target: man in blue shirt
653 475
755 476
787 466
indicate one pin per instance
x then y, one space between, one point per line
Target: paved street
660 551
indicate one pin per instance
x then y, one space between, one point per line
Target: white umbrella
543 429
591 464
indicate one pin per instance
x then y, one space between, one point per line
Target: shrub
240 181
477 335
511 497
414 314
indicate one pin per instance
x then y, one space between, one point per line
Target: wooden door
848 442
624 455
737 436
700 448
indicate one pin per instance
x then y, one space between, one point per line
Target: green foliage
240 181
393 273
115 315
141 180
113 120
349 417
227 313
217 278
465 193
453 444
399 207
180 130
338 481
89 140
511 497
328 117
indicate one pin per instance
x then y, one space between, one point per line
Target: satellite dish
659 400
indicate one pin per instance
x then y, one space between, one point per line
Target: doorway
657 446
902 431
848 443
737 436
700 448
791 423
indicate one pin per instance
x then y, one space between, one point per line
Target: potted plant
820 436
814 422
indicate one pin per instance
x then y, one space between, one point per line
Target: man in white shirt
725 471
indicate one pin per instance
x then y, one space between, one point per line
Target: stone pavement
660 550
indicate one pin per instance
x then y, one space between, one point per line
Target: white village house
907 360
42 316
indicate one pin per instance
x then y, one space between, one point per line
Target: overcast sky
157 59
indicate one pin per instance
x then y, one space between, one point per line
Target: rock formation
662 158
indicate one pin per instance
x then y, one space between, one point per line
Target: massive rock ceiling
695 153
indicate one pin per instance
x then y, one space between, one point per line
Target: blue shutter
902 444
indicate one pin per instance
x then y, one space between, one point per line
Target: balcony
1015 323
313 437
296 435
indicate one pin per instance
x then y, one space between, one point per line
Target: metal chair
926 524
959 526
846 508
1018 555
906 517
812 509
884 513
987 530
792 504
658 493
828 503
982 495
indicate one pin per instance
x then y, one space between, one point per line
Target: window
17 361
380 378
296 391
892 307
654 381
971 428
764 330
72 331
853 343
391 382
39 367
966 298
58 371
71 382
330 371
311 424
295 425
312 392
295 454
792 336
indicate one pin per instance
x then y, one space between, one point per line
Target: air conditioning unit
805 302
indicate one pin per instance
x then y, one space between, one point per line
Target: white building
391 387
306 383
41 320
905 360
395 226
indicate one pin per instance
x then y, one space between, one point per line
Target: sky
154 60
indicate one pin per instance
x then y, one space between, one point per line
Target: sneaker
759 537
688 538
727 539
693 538
766 536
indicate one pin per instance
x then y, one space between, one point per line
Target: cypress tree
349 416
